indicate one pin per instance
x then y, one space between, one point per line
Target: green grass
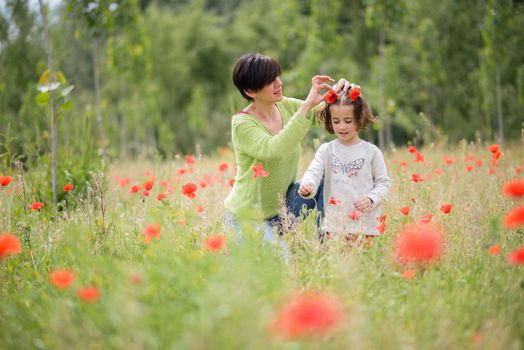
190 298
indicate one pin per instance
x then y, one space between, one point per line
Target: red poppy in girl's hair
37 205
514 188
9 245
189 190
258 171
419 243
5 180
516 257
331 96
445 208
515 218
354 93
62 278
308 314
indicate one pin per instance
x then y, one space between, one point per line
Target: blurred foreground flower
419 243
62 278
189 190
514 189
308 314
516 257
89 294
9 245
151 231
215 243
515 218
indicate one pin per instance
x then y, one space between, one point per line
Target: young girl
355 177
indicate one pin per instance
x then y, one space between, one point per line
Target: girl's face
270 93
344 124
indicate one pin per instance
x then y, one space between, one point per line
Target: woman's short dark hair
361 112
253 71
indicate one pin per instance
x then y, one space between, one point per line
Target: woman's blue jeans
295 204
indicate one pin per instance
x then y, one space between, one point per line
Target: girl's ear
250 93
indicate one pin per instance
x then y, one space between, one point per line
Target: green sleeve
251 138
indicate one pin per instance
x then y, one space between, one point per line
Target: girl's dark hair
361 112
253 71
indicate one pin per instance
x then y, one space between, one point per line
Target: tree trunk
52 101
98 108
500 123
381 131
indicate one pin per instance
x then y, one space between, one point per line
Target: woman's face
271 93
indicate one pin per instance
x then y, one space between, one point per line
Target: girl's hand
363 204
318 83
305 190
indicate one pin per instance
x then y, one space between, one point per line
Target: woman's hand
341 85
318 83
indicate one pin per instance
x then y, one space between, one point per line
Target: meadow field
141 261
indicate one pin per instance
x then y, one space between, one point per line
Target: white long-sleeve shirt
350 173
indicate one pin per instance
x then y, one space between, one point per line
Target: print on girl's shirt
349 168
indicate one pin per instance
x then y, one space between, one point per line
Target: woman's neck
264 111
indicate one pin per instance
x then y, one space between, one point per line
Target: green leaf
43 98
66 106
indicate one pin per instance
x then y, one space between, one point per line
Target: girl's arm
381 181
314 173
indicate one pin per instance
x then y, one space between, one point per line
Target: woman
266 137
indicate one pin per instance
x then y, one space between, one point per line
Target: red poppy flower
62 278
5 180
258 171
331 96
416 177
404 210
518 170
215 243
136 278
151 231
419 244
413 199
438 171
419 158
514 189
491 171
181 172
445 208
148 184
494 148
145 193
306 315
161 196
181 222
355 215
200 209
409 274
231 182
223 167
134 189
448 160
354 93
515 218
494 249
479 162
9 245
189 190
382 218
334 201
68 187
37 205
89 294
412 149
381 228
516 257
190 159
122 182
470 168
